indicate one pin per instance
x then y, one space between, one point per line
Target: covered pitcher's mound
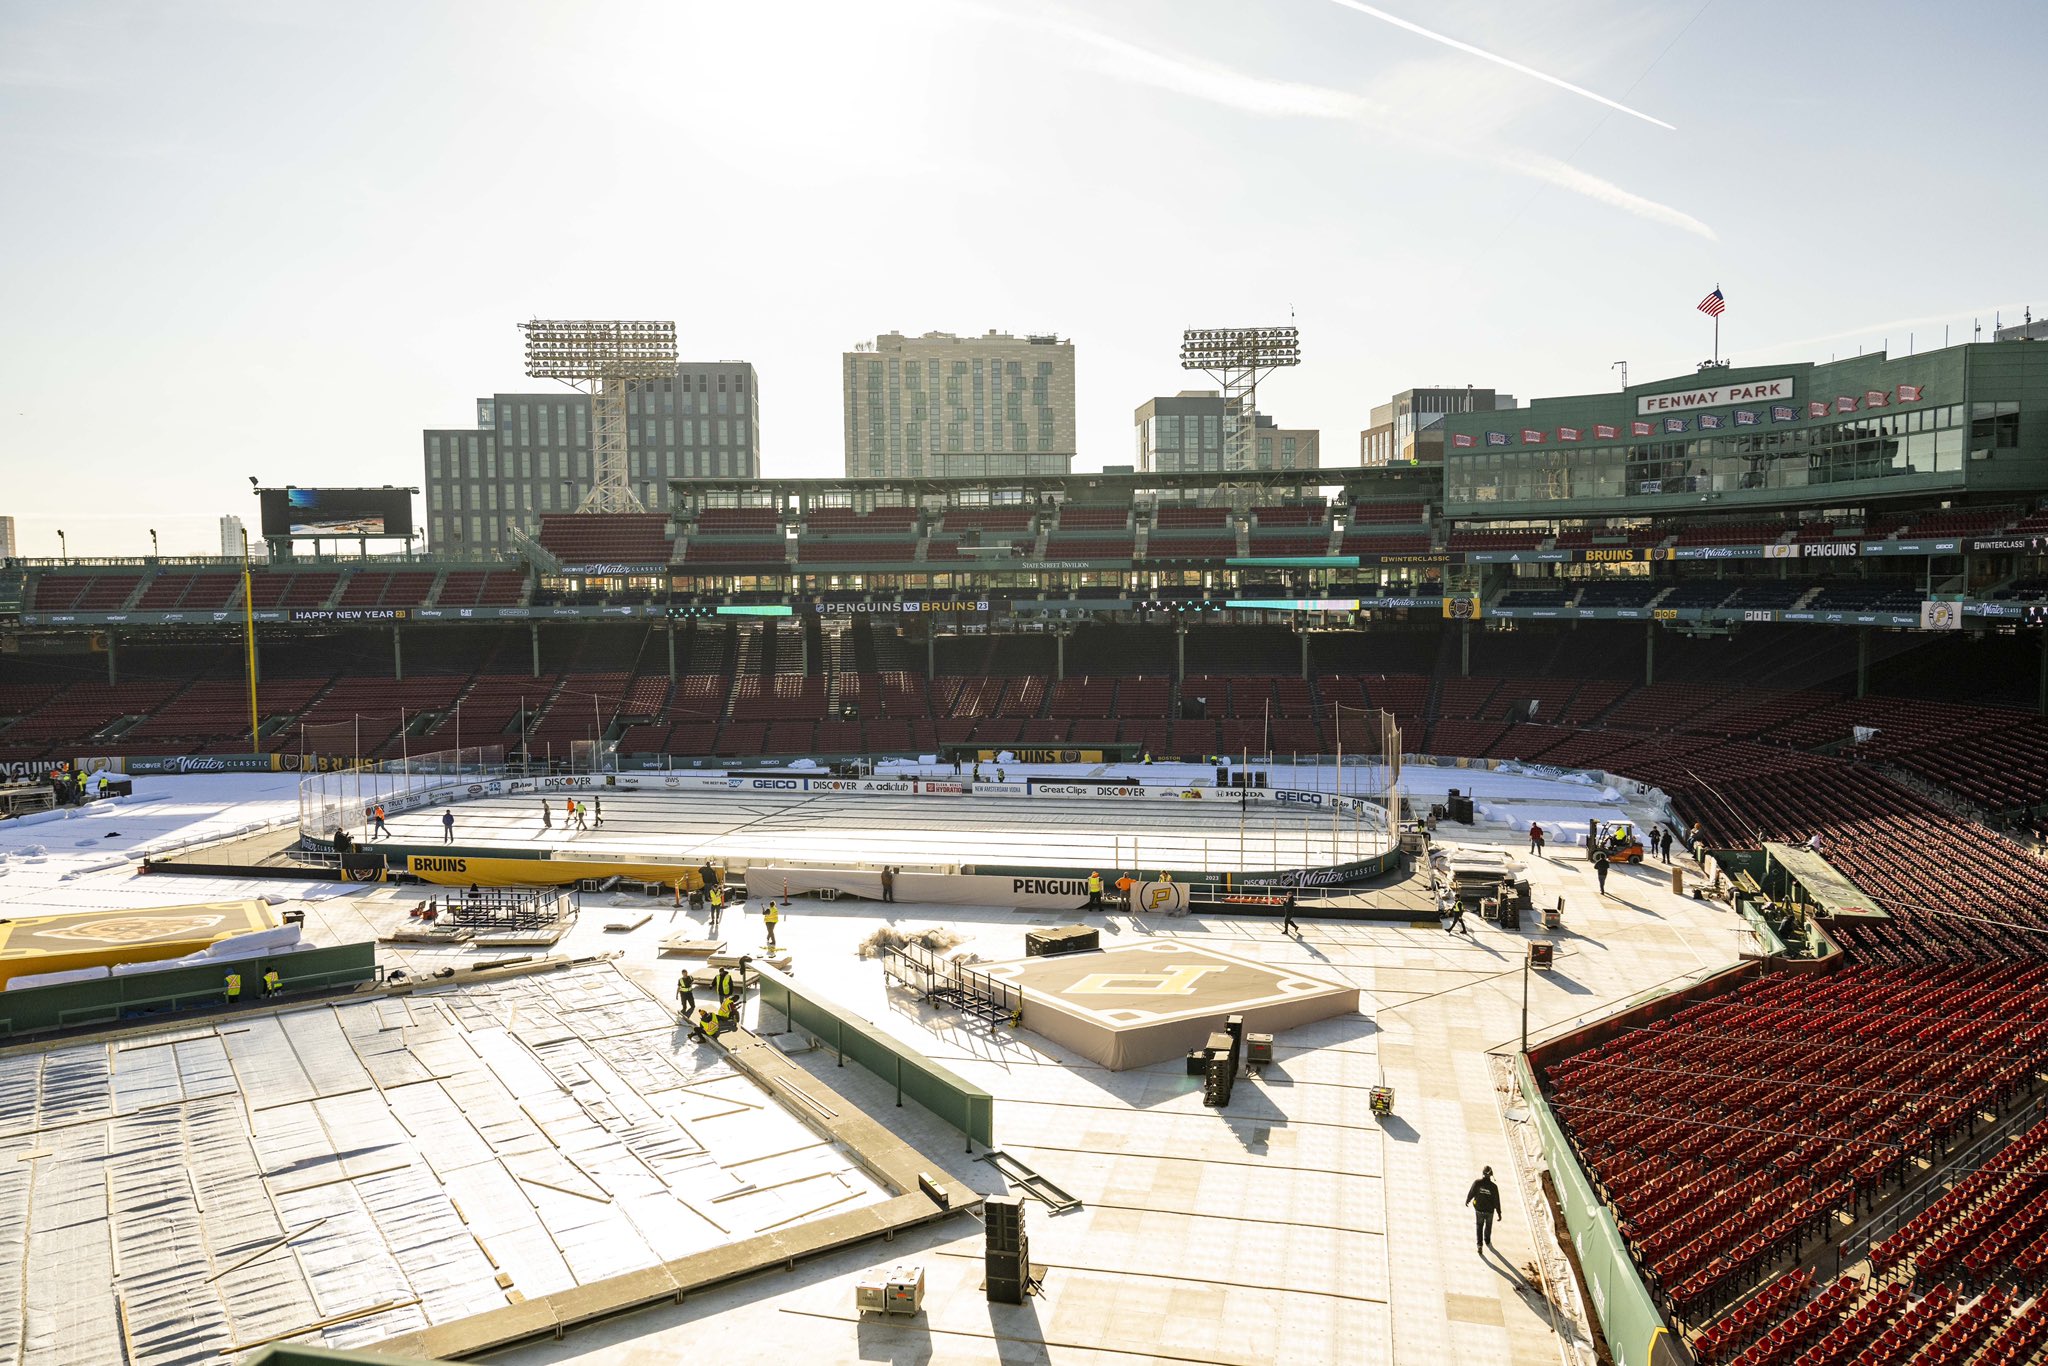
1143 1003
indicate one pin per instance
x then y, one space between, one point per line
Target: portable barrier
108 1000
959 1102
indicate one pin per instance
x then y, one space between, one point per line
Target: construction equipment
1622 843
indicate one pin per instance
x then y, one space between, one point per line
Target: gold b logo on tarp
1173 982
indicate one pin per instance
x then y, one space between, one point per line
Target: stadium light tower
1235 357
601 358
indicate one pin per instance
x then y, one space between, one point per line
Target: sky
258 237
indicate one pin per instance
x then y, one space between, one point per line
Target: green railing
959 1102
1635 1330
110 1000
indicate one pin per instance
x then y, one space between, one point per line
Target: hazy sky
279 239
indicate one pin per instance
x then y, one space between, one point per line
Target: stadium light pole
154 553
602 359
1235 357
63 547
249 638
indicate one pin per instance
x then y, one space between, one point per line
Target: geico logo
1298 798
1049 886
784 783
423 864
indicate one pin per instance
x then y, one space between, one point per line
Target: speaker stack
1007 1259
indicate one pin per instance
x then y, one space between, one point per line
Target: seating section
1723 1151
609 537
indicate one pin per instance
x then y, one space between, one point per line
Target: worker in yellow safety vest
705 1028
1095 891
774 918
272 983
234 987
722 984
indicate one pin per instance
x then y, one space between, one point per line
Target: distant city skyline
190 295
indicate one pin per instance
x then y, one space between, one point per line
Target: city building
529 454
7 551
1184 435
2029 328
1408 428
231 535
1793 438
959 407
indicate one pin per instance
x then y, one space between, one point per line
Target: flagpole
1717 330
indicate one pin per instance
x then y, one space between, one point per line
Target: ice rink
917 833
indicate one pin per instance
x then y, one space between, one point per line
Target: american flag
1713 305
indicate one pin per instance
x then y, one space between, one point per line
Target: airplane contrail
1510 64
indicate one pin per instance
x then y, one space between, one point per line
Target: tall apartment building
529 454
231 536
959 407
7 543
1184 434
1408 428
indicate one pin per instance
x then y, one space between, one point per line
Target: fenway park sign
1718 396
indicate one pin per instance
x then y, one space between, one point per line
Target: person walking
1095 891
447 825
1600 869
1535 839
377 826
1454 918
888 883
1287 925
1484 1198
582 816
956 763
597 809
771 918
716 898
686 995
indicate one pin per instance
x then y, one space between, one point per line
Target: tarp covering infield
1144 1003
